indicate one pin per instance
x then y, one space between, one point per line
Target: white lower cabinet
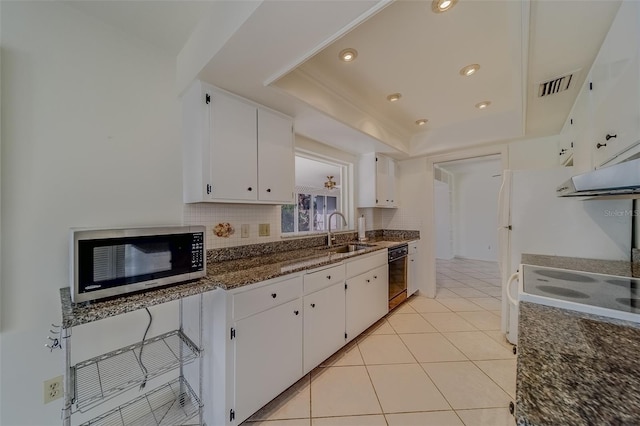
412 268
367 300
268 356
260 339
324 325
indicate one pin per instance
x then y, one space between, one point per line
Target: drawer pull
273 295
296 312
328 277
368 281
375 277
313 305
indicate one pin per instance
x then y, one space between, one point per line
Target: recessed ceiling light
469 70
348 55
483 104
394 97
439 6
421 122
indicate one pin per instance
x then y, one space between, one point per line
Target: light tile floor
431 362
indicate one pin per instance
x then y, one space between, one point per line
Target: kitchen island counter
576 368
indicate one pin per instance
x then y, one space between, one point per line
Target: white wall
442 201
476 215
410 215
90 137
536 153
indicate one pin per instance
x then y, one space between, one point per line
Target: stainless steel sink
347 248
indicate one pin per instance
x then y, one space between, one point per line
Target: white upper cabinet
615 87
276 177
233 153
235 150
377 181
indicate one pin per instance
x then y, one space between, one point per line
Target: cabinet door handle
368 281
375 277
313 305
296 312
600 145
328 277
412 260
249 189
610 136
274 295
268 189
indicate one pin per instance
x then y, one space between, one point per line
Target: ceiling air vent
556 85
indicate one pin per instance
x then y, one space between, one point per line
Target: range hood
622 179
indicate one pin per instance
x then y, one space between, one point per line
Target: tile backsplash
210 215
236 215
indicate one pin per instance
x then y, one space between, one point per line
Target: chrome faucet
329 237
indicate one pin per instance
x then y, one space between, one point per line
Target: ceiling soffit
408 49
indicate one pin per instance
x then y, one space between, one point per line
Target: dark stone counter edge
74 315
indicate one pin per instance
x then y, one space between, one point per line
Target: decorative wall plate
223 230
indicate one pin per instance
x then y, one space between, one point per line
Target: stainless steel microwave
113 262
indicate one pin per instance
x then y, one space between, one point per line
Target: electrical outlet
53 389
244 230
264 230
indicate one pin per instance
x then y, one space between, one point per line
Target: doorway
467 275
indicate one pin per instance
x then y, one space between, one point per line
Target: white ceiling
407 48
285 57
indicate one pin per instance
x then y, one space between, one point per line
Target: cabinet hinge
209 189
207 99
232 415
232 333
345 335
591 85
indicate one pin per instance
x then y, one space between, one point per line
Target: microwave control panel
197 251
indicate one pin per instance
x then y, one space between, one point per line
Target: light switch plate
264 230
244 230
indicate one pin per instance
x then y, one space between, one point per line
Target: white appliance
599 294
533 219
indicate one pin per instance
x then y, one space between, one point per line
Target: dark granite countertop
240 272
227 275
576 368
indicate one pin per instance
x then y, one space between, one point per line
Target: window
317 196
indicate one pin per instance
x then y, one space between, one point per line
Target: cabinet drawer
318 280
362 265
268 296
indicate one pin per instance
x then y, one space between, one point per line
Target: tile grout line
366 368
